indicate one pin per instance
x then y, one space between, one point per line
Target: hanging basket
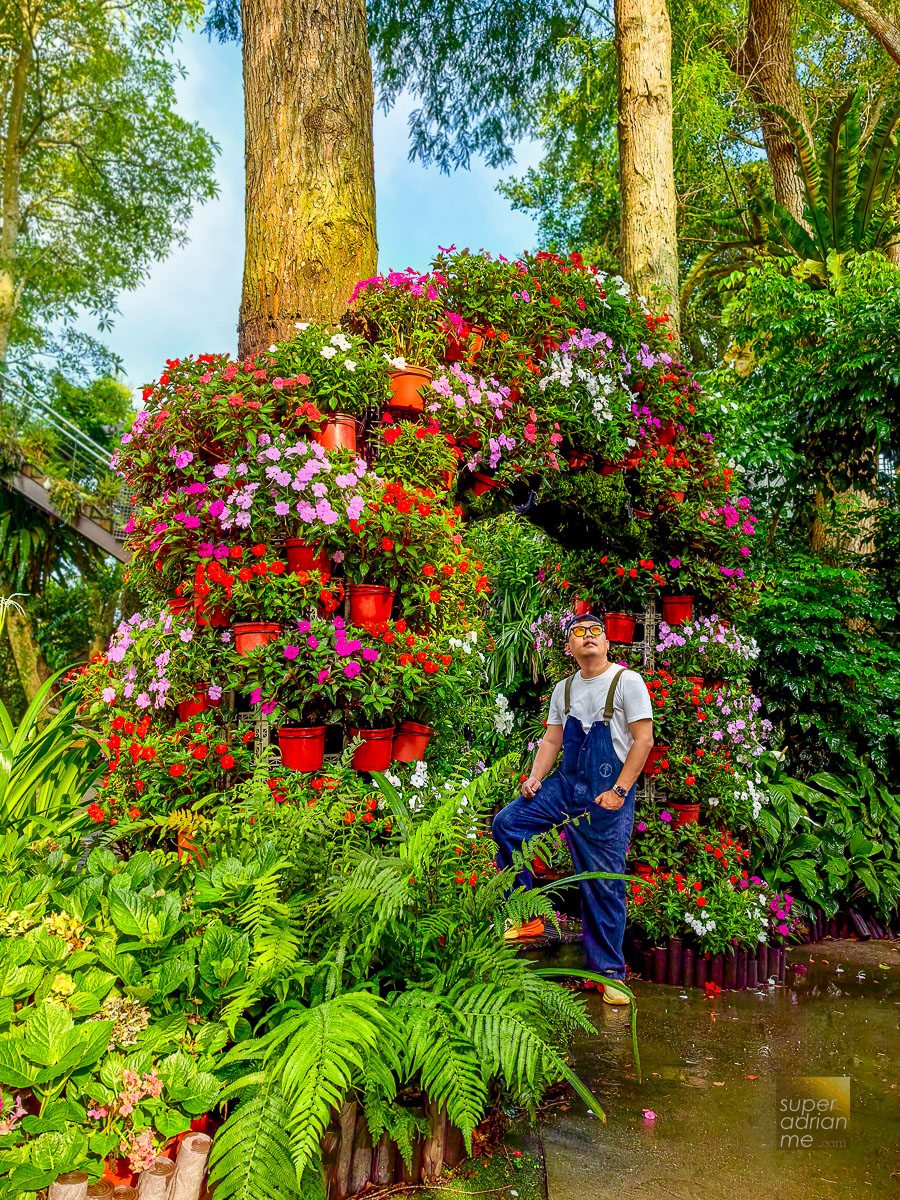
620 627
302 747
375 752
370 602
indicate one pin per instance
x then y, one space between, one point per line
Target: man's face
587 644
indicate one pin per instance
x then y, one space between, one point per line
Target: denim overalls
589 766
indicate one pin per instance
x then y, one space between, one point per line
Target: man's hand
609 800
530 787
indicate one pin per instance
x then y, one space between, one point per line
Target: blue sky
189 303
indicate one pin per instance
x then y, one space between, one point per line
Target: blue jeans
598 842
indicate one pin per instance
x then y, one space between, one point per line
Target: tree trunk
30 663
649 246
765 61
310 187
9 218
882 29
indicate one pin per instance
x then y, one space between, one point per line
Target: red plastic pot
677 609
117 1172
406 388
675 497
620 627
303 557
643 871
666 435
217 616
249 635
655 759
578 458
485 483
642 514
338 433
192 708
375 752
370 602
581 607
410 741
176 607
686 814
302 748
609 468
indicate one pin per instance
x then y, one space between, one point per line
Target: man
603 719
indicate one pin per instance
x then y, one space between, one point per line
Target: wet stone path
715 1070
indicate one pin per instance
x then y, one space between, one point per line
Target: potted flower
623 588
423 452
266 597
402 314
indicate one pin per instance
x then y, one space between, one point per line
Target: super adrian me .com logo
813 1113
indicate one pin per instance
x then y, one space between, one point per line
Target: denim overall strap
611 694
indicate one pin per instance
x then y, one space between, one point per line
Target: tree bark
765 61
30 663
310 186
649 245
10 216
883 30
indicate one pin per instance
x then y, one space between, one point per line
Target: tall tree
310 177
100 174
648 243
882 27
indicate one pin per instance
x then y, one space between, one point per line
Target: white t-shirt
588 700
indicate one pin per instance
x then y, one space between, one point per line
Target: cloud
189 303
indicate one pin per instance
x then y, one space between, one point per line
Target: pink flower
108 695
370 655
312 642
352 669
322 676
291 651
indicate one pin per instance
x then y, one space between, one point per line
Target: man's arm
545 760
642 732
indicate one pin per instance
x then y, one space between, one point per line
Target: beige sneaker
614 995
531 929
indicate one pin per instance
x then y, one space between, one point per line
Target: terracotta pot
249 635
411 741
117 1172
370 602
189 851
176 607
620 627
677 609
715 684
192 708
303 557
686 814
675 497
302 747
406 388
657 756
375 752
696 679
485 483
338 433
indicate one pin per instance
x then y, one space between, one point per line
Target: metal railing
72 454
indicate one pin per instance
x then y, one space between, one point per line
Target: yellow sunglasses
581 631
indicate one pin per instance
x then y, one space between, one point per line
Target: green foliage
834 839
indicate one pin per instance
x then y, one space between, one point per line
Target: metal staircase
76 459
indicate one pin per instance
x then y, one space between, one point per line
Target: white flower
349 364
399 364
272 348
341 341
301 325
328 352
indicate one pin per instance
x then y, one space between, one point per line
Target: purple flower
674 562
291 651
641 827
214 692
303 627
143 700
183 459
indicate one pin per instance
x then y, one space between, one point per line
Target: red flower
176 769
259 551
227 762
245 574
387 543
236 552
199 751
428 570
95 812
349 818
134 812
277 568
434 596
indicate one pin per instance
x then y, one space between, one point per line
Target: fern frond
250 1157
877 172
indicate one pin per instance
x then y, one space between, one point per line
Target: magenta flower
370 655
312 642
291 651
256 696
352 669
323 675
665 816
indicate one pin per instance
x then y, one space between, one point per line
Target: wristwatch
620 791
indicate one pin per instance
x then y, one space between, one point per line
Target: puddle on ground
711 1073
